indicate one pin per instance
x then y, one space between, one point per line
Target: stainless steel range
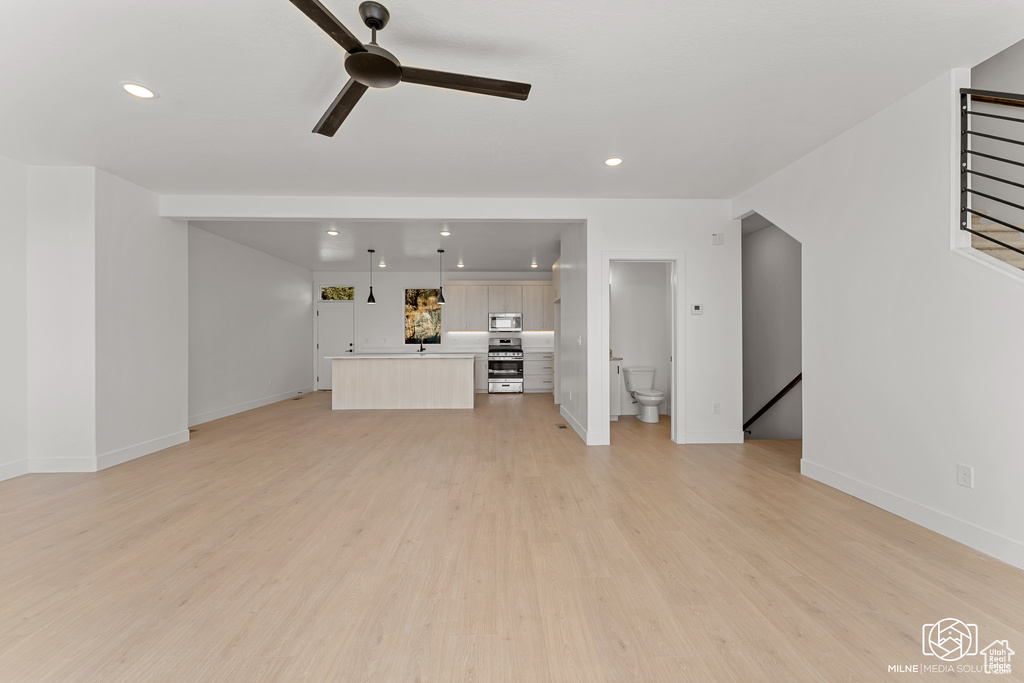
505 366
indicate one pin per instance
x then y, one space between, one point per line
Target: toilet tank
639 378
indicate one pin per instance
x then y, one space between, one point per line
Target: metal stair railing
967 153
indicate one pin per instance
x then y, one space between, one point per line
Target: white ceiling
406 246
700 98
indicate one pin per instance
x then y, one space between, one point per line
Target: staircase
1001 233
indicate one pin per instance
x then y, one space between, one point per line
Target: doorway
772 330
335 334
644 327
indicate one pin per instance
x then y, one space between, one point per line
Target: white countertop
400 356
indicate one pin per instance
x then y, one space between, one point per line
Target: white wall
641 323
712 344
250 321
771 332
575 378
141 324
14 310
61 319
912 359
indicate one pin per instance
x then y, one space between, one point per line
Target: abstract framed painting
422 316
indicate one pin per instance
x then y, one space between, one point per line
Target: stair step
979 222
1011 237
1010 258
1001 233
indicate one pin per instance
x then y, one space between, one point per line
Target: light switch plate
717 239
697 309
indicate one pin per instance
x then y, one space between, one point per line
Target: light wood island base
406 381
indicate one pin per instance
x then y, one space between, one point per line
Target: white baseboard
714 437
54 465
13 469
194 420
140 449
988 542
577 427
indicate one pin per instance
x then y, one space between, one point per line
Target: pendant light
440 277
370 299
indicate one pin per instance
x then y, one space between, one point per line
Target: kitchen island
402 381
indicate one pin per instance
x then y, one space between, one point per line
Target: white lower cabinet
539 372
615 382
480 374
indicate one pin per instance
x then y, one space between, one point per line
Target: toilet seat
649 393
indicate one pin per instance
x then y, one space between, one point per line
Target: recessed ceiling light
612 161
533 265
332 232
138 91
460 264
445 232
382 264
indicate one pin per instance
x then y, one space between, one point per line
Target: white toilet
640 385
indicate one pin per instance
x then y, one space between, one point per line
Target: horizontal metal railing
967 134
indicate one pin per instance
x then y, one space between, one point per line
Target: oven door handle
504 372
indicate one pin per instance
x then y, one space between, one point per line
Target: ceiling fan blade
477 84
330 24
340 109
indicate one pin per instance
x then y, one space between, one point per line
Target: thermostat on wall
697 309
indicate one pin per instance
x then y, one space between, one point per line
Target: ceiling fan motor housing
376 68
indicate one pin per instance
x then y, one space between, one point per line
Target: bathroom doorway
643 330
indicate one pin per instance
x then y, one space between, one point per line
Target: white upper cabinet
476 307
453 316
469 302
466 310
538 307
505 298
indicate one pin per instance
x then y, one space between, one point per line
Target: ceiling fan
371 66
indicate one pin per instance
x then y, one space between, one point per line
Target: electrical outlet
965 476
716 408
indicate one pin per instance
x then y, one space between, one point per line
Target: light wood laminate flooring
297 543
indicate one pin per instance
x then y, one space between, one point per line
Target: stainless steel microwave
504 322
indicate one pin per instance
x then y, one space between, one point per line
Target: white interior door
335 333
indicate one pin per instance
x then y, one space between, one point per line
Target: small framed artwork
337 293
